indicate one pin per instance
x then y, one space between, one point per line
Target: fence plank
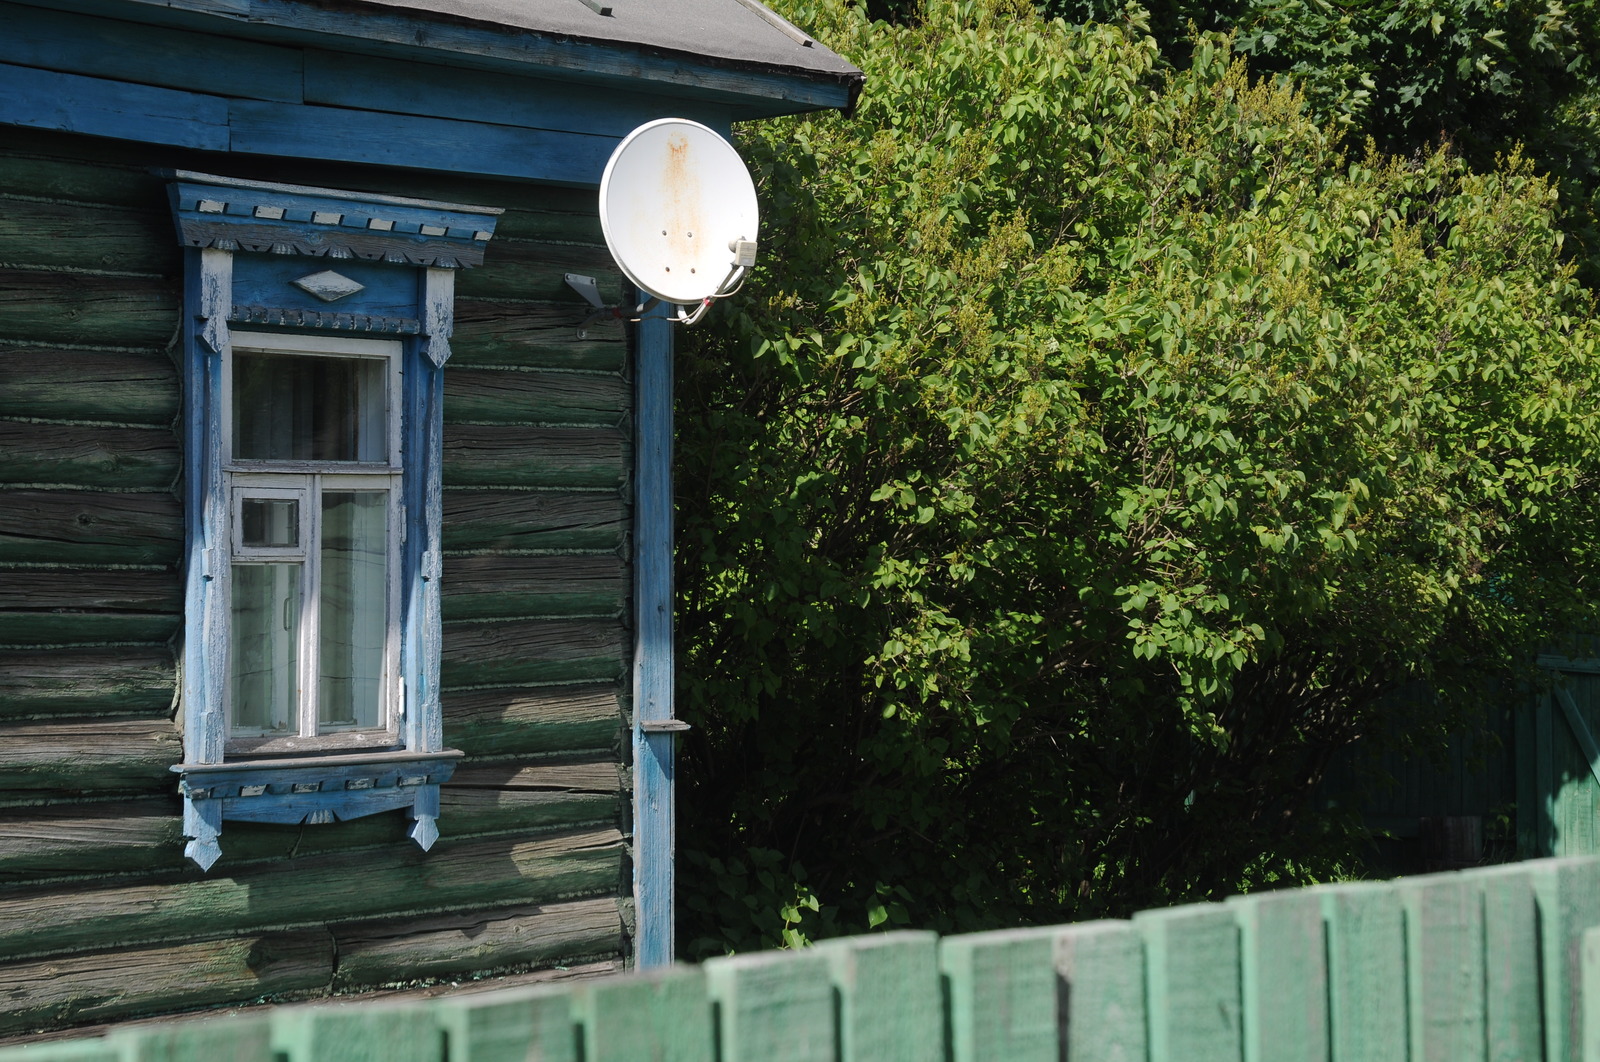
1192 983
64 1051
772 1007
1002 995
1284 982
1444 967
511 1025
1100 967
1588 989
1366 972
356 1032
1567 892
662 1014
1511 968
891 1007
236 1038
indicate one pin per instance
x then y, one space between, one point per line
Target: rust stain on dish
683 204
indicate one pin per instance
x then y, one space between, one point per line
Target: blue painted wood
376 84
347 135
748 93
268 280
425 729
43 99
127 51
415 414
207 279
209 275
233 214
438 314
219 282
315 808
653 819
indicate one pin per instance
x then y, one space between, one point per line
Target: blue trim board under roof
369 82
736 54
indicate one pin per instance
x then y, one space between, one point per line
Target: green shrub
1094 448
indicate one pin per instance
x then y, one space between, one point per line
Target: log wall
97 902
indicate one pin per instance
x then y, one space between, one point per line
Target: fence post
662 1014
1100 966
1366 972
1001 995
1444 967
1284 976
891 1005
1192 983
774 1006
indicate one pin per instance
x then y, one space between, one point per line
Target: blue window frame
317 328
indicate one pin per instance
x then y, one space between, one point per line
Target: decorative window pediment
313 437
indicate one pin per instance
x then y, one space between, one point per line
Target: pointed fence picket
1498 964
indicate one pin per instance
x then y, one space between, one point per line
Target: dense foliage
1094 448
1484 75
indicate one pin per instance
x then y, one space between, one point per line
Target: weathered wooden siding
100 914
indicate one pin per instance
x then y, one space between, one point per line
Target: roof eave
748 89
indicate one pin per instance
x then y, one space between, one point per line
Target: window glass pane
292 408
355 609
269 522
264 657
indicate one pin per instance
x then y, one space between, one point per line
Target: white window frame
306 481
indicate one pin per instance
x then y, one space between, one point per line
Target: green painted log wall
1499 963
100 914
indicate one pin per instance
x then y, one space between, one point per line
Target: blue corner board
653 752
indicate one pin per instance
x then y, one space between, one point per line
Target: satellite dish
679 212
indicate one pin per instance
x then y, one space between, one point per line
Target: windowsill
275 763
316 788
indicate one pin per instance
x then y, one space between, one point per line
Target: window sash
315 347
306 484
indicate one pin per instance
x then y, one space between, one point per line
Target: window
312 468
312 473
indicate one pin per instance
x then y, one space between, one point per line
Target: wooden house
335 645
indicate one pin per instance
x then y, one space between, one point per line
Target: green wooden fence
1490 965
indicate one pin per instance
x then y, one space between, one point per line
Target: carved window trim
303 261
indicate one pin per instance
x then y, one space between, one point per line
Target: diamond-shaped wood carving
328 285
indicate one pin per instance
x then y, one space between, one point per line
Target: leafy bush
1484 75
1093 450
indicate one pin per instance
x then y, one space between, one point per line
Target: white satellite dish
679 213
